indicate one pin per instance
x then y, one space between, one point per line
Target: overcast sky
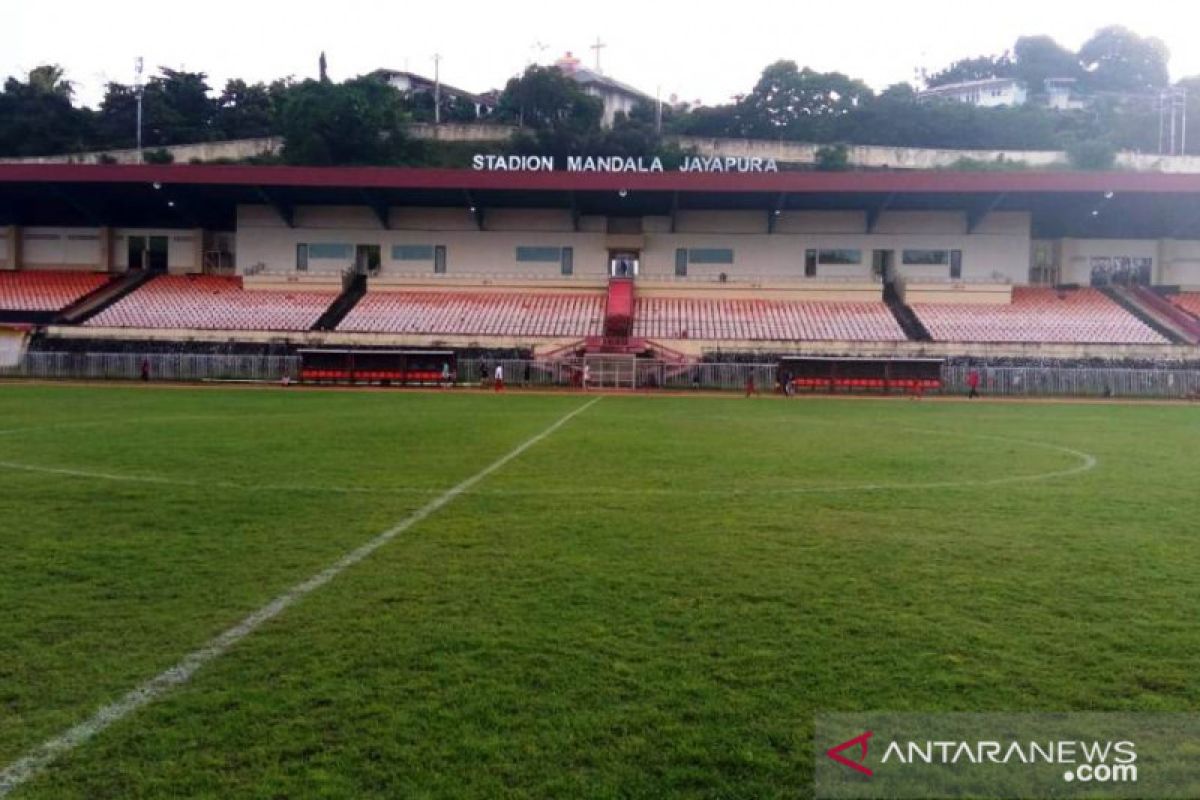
679 47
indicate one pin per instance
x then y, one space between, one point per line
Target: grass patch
654 601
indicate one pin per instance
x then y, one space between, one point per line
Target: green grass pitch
653 601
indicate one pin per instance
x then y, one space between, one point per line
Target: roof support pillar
475 209
876 211
775 211
285 210
978 212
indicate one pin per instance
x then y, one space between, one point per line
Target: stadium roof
1084 204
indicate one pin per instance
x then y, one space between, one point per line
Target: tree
176 109
245 111
1037 58
559 118
791 101
1092 154
543 98
360 121
972 69
1118 60
38 118
833 158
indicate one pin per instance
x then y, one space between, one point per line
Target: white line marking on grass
1087 462
29 765
121 477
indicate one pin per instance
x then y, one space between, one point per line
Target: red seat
46 290
1038 315
212 302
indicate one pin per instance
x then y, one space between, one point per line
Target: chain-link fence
625 373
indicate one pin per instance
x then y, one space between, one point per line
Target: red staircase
618 311
618 321
1179 321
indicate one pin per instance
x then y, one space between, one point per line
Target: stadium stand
477 314
1188 301
766 320
1038 315
35 290
211 302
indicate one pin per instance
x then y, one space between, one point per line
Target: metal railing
1076 381
641 374
160 367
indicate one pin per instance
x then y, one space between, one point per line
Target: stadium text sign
514 163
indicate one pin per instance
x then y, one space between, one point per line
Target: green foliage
158 156
799 103
1118 60
833 158
973 69
1000 164
1037 58
37 116
360 121
1091 154
247 111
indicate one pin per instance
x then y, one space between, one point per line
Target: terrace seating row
38 290
748 320
1188 301
1040 315
478 314
210 302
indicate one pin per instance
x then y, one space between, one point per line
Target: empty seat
1189 302
477 314
35 290
212 302
1077 316
764 320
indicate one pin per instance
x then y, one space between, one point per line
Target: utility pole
437 89
138 90
658 113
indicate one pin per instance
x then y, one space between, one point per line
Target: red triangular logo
859 741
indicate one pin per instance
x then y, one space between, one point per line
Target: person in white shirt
498 382
587 376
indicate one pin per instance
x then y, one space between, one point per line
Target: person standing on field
498 378
587 376
973 384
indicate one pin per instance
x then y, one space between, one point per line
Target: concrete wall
1077 254
880 157
999 247
61 248
238 149
868 156
83 249
1180 263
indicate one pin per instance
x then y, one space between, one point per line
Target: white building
990 93
1062 95
616 96
410 83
